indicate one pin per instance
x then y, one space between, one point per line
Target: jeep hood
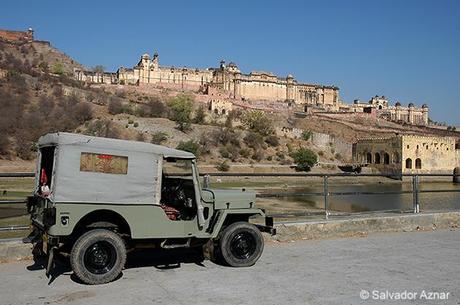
230 199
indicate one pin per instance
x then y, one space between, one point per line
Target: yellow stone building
408 154
398 113
257 85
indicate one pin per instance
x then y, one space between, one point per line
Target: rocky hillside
38 95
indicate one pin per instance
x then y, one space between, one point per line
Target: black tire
241 244
98 256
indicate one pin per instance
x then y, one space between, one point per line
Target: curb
16 250
365 225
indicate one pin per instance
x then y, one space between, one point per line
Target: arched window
418 163
369 158
386 158
377 158
216 111
409 163
223 111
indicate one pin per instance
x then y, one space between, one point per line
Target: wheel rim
243 245
100 257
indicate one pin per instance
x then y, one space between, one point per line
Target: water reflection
389 201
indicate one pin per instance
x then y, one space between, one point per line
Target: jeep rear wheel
98 256
241 244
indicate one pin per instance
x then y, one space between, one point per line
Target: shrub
156 108
257 121
223 166
305 159
225 136
140 137
128 108
306 135
130 121
83 112
321 153
58 68
224 152
245 152
200 115
231 152
136 124
280 156
115 106
258 155
4 145
272 141
254 140
159 137
190 146
103 128
338 156
205 144
181 107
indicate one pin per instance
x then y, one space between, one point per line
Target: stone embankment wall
325 141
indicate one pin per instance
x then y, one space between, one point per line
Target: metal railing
326 193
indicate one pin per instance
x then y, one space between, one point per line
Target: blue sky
406 50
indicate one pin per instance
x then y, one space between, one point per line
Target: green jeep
97 198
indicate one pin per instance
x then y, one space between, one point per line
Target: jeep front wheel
241 244
98 256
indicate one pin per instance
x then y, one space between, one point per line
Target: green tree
257 121
223 166
159 137
181 107
58 68
200 115
305 159
306 135
190 146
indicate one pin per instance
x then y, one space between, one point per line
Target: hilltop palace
255 86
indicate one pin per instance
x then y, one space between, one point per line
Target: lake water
349 203
360 203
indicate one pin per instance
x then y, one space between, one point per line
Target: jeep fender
223 215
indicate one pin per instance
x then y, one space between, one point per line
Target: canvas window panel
103 163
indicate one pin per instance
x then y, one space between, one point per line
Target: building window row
418 163
383 158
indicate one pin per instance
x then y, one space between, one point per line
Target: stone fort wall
17 36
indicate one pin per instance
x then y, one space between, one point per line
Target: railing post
326 195
415 199
206 181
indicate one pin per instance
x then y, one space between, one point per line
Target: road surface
334 271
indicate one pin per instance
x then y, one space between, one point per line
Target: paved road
305 272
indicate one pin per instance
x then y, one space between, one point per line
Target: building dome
232 65
398 104
424 106
290 76
146 56
411 105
